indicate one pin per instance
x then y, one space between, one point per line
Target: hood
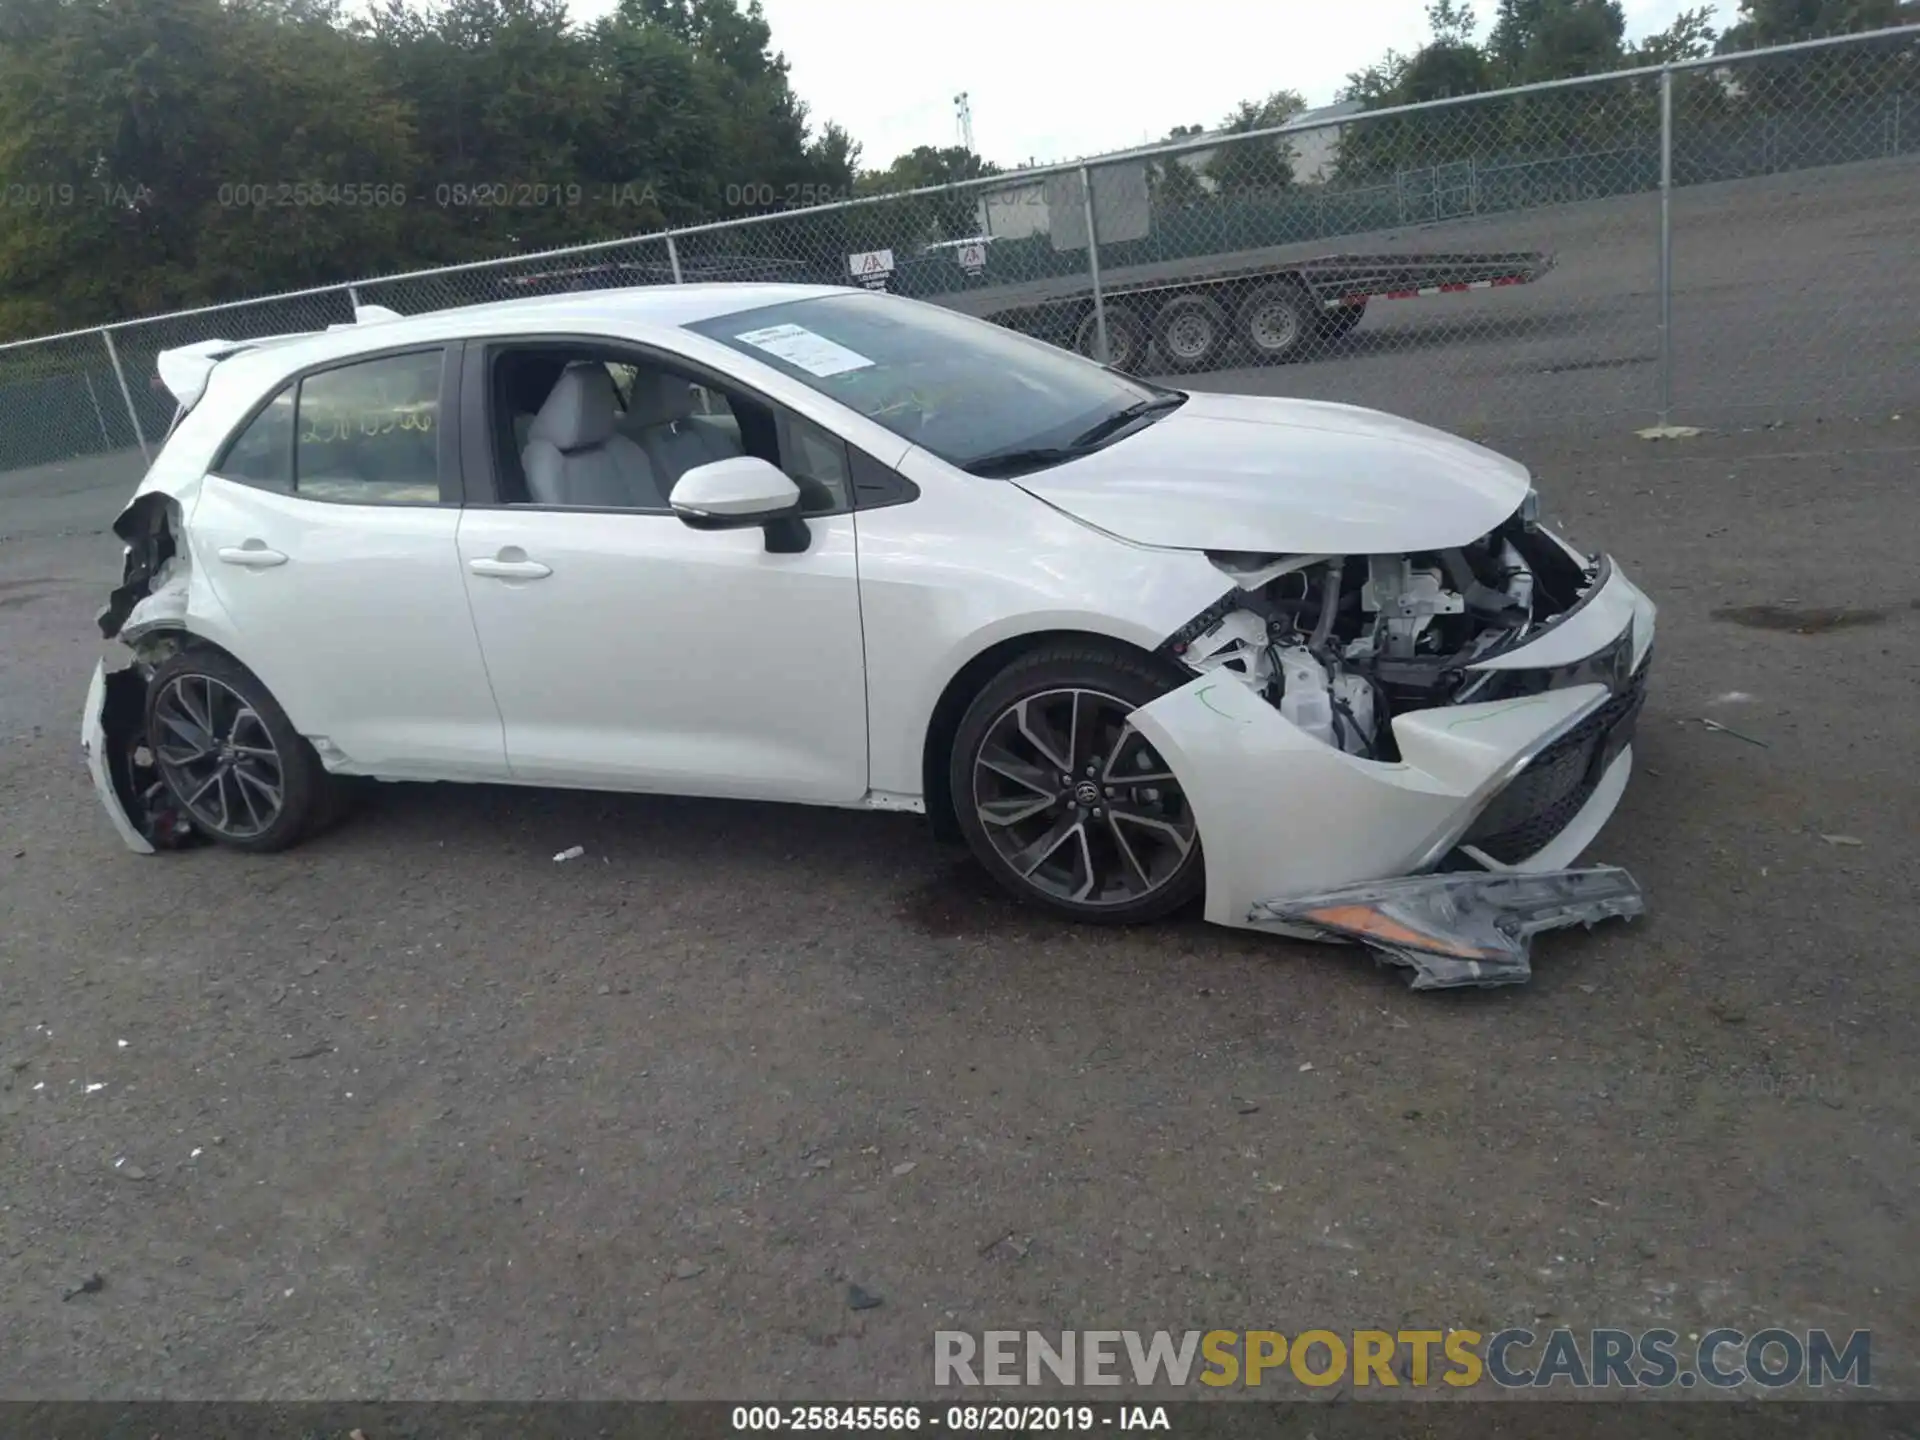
1252 473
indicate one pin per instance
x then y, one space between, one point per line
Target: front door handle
254 555
510 569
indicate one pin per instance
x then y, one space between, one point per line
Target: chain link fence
1701 243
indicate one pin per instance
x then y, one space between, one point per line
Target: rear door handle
510 569
253 555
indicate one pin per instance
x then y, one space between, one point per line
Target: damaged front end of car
147 613
1443 721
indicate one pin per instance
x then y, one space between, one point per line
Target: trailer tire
1278 322
1126 341
1340 322
1191 331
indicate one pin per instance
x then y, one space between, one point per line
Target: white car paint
1251 777
355 617
654 656
1244 472
657 657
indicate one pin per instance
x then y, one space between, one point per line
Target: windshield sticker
800 347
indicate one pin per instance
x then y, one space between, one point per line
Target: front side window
971 392
579 429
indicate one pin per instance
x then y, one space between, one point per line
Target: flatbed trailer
1271 312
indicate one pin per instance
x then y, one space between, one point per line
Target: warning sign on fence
871 268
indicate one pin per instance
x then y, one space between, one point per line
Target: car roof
638 307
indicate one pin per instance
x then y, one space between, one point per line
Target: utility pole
964 113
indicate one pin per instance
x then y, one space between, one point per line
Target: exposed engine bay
1342 644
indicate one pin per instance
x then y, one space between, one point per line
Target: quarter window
262 454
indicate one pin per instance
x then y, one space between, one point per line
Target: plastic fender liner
1281 814
1462 930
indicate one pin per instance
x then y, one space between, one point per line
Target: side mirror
739 492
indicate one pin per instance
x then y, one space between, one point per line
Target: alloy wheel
1077 803
215 752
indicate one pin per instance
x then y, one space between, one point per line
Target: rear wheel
1191 331
1277 322
1126 341
1065 803
229 755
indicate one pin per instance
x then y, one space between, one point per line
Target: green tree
158 123
1535 40
1241 166
1173 181
1689 37
924 219
1780 22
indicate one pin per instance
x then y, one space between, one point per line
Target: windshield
969 391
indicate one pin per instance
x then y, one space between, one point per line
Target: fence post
98 413
1103 352
1666 244
353 303
673 259
127 395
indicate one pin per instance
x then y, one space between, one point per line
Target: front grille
1544 798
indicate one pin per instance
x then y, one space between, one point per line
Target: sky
1052 80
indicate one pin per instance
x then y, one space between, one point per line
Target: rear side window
369 433
365 434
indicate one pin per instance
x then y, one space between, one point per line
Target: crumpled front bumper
1284 817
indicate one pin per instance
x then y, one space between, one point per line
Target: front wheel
1065 803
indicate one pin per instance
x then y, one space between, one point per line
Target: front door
628 650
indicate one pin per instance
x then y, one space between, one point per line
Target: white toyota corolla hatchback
796 543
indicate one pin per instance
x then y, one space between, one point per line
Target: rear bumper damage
146 612
1460 848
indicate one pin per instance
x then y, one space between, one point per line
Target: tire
1336 323
1121 853
1126 340
1191 332
1278 323
225 750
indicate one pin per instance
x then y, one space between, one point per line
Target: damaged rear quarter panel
157 596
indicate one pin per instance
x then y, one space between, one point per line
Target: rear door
326 531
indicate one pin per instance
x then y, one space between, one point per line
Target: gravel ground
416 1112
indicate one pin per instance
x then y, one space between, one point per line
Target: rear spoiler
186 369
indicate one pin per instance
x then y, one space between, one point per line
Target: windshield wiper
1120 419
1005 462
1038 457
